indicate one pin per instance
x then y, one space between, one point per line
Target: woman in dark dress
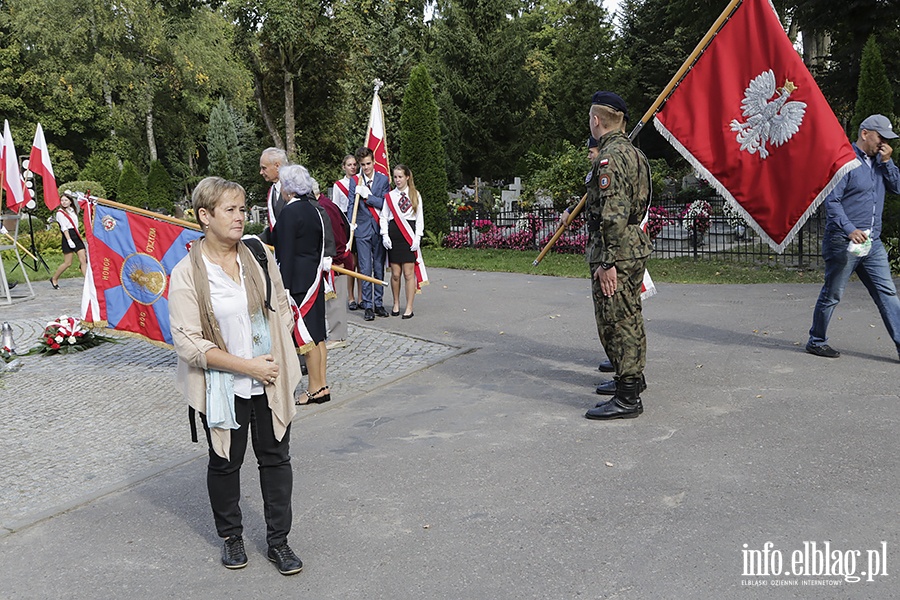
299 248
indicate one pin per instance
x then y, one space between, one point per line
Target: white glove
415 244
363 191
71 243
353 226
327 263
386 240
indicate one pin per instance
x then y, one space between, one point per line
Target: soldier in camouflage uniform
618 196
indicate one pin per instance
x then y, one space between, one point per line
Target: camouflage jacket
618 196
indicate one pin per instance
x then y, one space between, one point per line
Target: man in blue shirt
372 189
854 211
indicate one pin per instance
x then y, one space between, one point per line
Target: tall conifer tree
875 95
421 148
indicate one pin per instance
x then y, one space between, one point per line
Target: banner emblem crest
768 122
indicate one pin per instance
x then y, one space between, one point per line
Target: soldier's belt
594 224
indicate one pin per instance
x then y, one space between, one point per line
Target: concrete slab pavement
478 477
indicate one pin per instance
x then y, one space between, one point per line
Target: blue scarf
220 384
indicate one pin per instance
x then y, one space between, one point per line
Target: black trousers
223 477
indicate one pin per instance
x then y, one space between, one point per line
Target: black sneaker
233 555
284 558
823 350
369 315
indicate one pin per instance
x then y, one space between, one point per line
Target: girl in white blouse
67 218
402 225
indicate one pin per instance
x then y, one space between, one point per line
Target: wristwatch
607 266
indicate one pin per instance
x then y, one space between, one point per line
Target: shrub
131 188
103 168
160 192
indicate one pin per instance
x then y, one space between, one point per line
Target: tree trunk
260 103
816 47
151 137
289 122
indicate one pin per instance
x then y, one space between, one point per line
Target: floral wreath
67 334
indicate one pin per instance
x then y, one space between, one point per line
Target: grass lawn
52 260
669 270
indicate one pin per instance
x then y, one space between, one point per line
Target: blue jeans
874 272
370 253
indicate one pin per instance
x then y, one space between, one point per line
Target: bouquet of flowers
695 217
6 354
483 225
658 218
734 218
67 334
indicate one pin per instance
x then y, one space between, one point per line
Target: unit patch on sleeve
604 181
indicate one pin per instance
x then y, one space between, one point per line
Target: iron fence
723 241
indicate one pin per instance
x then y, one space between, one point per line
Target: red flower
54 345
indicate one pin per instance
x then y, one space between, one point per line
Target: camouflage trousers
620 322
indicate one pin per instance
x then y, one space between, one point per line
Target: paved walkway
109 410
478 477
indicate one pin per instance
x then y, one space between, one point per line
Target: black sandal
319 399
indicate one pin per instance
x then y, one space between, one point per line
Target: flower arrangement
67 334
733 217
695 217
6 354
658 218
464 208
482 225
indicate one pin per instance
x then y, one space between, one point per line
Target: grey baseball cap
879 123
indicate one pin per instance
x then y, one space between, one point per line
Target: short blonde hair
209 194
609 118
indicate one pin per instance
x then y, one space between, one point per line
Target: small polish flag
16 192
39 162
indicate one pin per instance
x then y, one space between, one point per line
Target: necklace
228 264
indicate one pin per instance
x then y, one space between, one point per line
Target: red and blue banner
131 257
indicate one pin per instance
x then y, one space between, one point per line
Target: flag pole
353 220
676 79
560 230
196 227
686 66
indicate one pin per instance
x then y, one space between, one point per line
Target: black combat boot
626 404
608 388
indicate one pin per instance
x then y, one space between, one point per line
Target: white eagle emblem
767 122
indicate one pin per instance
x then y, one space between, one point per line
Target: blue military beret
592 142
610 99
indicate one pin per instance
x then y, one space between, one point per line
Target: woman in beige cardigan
237 367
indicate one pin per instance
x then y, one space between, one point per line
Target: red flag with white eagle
39 162
16 192
751 120
376 140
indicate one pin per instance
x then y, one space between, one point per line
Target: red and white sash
408 234
372 210
68 216
270 205
345 189
301 333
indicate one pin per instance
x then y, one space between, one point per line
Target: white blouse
339 197
63 220
229 302
409 214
